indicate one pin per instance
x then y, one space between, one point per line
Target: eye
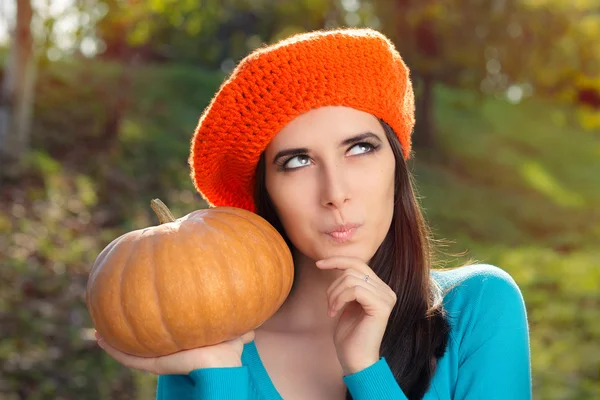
302 160
297 162
362 147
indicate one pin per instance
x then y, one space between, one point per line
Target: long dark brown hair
417 332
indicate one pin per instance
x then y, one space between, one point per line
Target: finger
346 282
370 303
335 299
381 291
343 263
125 359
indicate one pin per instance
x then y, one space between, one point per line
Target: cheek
378 183
389 184
378 194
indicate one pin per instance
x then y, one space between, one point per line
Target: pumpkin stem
162 211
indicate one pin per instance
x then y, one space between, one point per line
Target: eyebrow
345 142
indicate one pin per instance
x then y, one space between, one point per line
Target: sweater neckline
259 376
258 372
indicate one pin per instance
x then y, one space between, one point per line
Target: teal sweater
487 357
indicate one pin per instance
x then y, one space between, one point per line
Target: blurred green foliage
516 185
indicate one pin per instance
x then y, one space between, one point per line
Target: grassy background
517 186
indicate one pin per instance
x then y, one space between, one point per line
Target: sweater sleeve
375 382
494 355
205 384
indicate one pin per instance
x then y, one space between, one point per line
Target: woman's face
330 175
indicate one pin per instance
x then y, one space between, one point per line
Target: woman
313 133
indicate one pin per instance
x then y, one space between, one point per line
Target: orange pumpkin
207 277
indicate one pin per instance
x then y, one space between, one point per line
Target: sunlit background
99 100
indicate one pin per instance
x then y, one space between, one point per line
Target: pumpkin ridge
260 228
98 314
263 232
135 244
283 287
103 256
203 220
263 283
160 310
224 264
281 251
189 228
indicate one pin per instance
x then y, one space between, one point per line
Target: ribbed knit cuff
375 382
227 383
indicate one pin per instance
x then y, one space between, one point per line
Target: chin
349 250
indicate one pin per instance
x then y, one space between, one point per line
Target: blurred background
99 100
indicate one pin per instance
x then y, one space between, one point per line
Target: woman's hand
367 305
226 354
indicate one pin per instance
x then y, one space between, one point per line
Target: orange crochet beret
358 68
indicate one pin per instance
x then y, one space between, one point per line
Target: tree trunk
17 95
424 136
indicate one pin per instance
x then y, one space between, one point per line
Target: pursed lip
342 228
342 233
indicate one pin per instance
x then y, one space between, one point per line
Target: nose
335 190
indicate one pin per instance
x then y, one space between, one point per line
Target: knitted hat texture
357 68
